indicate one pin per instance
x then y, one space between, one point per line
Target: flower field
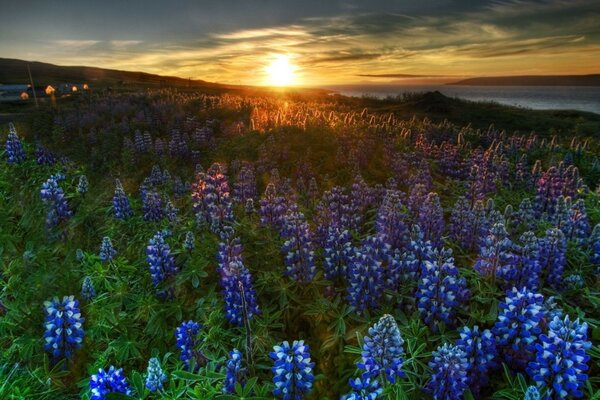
166 244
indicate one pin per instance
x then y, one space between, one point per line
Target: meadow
173 244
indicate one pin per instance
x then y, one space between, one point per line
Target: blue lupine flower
245 185
107 251
431 219
189 241
236 281
518 326
186 334
574 281
440 293
152 206
417 196
87 289
595 245
155 376
273 208
82 185
461 221
337 252
579 226
121 206
43 156
364 388
525 215
55 201
234 373
298 248
292 370
365 274
337 208
383 350
528 267
532 393
171 212
391 220
480 349
14 147
496 259
64 327
211 201
553 257
105 382
160 260
561 359
450 366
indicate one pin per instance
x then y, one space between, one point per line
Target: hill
532 80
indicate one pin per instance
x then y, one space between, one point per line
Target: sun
281 72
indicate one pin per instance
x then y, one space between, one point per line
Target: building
14 92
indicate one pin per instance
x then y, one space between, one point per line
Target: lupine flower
525 215
382 352
561 359
480 227
245 185
480 349
107 251
155 376
518 326
532 394
575 281
337 253
105 382
121 206
461 220
14 147
186 334
411 262
595 245
236 281
496 259
578 226
87 289
553 251
64 327
82 186
292 370
211 202
416 198
298 248
337 208
152 206
528 266
43 156
391 220
365 275
188 243
234 373
160 260
171 212
364 388
440 293
431 219
55 201
450 366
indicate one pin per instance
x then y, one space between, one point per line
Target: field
415 248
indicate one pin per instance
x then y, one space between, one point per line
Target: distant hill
15 71
532 80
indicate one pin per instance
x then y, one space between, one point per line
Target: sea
580 98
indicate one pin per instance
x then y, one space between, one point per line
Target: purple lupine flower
337 252
55 201
518 326
496 258
14 147
431 219
160 260
450 366
480 349
416 198
561 360
122 208
211 201
528 267
155 376
578 226
43 156
187 342
298 248
236 281
189 242
171 212
152 206
461 221
391 220
553 251
111 381
383 351
525 215
245 185
292 370
107 251
363 388
234 373
88 292
63 327
595 245
272 208
82 185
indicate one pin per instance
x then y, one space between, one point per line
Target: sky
327 41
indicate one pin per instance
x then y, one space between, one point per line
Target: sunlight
281 72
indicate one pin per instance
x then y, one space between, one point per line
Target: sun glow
281 72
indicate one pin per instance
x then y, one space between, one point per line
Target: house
14 92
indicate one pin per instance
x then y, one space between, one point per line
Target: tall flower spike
528 262
391 220
595 245
82 186
189 242
87 289
496 258
364 388
14 147
553 257
365 275
107 251
561 359
292 370
532 393
186 334
155 376
383 350
55 201
449 365
337 253
518 326
234 373
160 260
461 220
64 327
480 348
298 248
111 381
152 206
431 219
121 207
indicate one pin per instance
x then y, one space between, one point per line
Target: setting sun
281 72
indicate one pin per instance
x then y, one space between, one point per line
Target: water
581 98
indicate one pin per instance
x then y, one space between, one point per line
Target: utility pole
32 86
